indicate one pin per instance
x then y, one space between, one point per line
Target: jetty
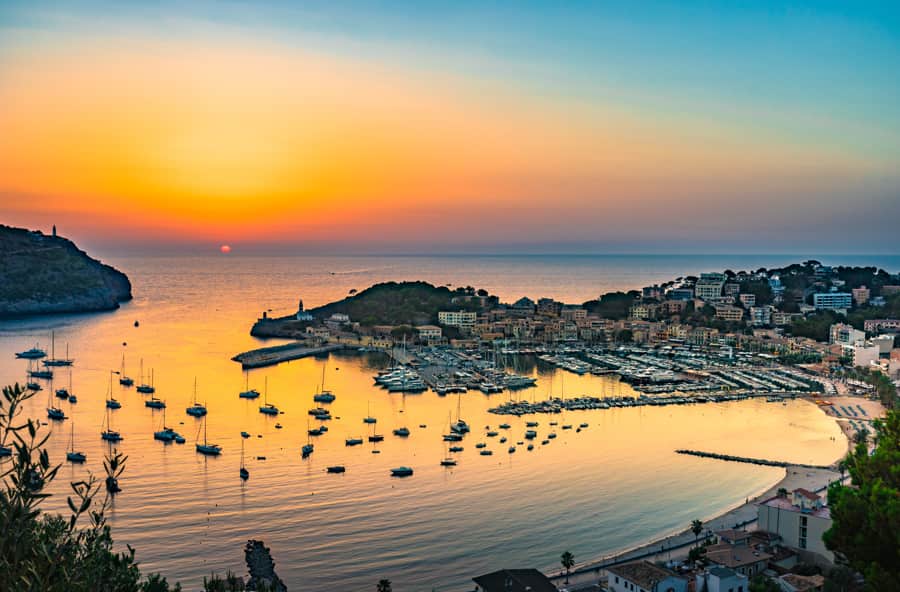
749 460
268 356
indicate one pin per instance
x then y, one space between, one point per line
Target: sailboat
72 397
447 461
308 447
323 396
460 427
197 409
123 379
375 437
109 434
166 434
155 403
145 388
207 448
54 413
111 403
267 408
248 393
72 455
369 418
53 361
245 474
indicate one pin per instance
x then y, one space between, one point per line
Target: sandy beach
742 516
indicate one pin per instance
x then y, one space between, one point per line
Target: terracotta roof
806 493
643 573
731 556
803 583
515 580
733 535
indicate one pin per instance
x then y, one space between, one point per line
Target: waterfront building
721 579
742 559
860 295
862 353
514 580
799 519
876 325
843 334
643 576
709 286
303 315
832 300
429 333
460 318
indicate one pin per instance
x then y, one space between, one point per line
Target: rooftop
515 580
733 557
643 573
784 503
802 583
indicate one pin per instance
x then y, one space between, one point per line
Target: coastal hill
48 274
397 303
388 303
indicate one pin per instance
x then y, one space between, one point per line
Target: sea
614 485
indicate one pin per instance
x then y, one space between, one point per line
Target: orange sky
230 140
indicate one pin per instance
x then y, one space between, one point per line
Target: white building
721 579
833 300
885 343
862 353
643 576
429 332
709 286
459 318
747 300
843 334
800 519
761 315
339 317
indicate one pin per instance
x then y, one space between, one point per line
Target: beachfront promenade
676 546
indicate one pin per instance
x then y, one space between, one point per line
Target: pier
748 460
268 356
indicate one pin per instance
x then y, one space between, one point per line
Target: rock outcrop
262 568
41 274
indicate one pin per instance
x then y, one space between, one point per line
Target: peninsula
49 274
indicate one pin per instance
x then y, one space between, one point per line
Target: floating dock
268 356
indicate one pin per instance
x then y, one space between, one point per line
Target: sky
460 126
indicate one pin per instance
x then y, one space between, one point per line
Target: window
617 579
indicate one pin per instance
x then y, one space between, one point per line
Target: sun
225 249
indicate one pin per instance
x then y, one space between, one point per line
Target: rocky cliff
42 274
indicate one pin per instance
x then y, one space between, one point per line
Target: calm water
614 485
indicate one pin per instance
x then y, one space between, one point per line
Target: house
860 295
643 576
797 583
876 325
844 334
339 317
514 580
747 300
721 579
729 313
429 332
734 537
760 315
740 558
799 519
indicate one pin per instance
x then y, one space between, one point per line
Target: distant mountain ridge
48 274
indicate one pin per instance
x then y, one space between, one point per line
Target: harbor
269 356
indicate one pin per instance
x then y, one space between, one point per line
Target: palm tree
696 528
383 586
568 562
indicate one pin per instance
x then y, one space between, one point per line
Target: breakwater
748 460
268 356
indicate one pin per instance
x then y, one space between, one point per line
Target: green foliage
800 358
865 532
816 326
612 305
404 303
383 586
884 388
49 553
230 583
761 583
760 289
